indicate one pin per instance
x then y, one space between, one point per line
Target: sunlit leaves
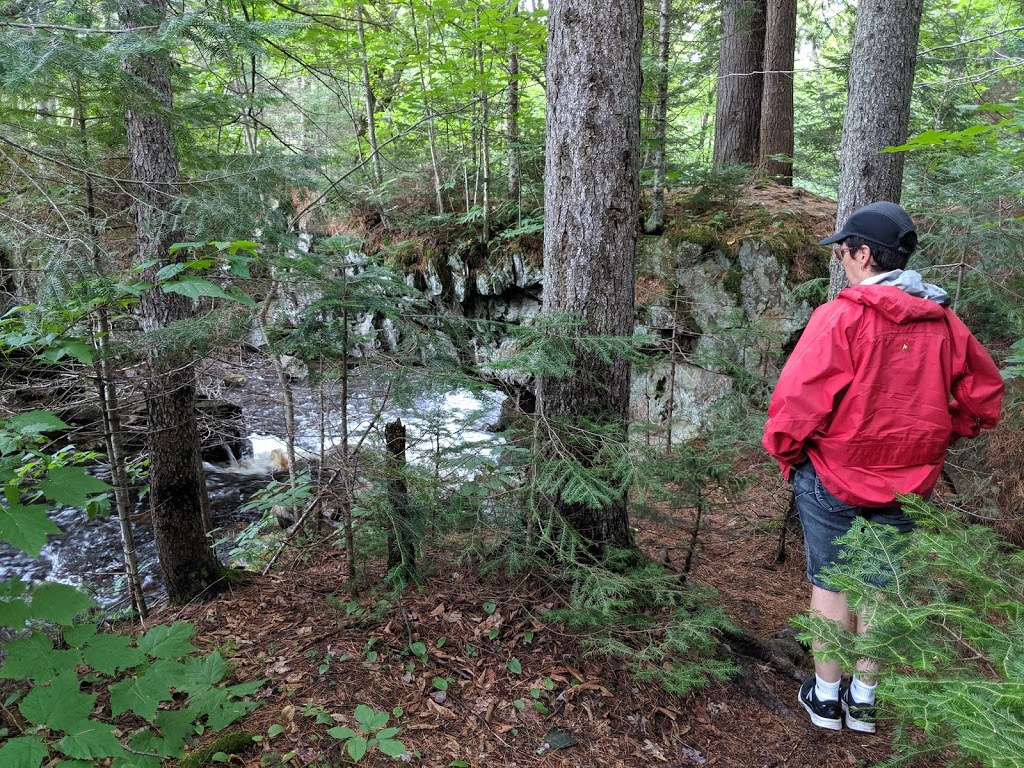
71 486
26 526
168 641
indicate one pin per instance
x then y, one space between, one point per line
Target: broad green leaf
23 752
176 725
59 603
71 486
168 641
515 667
14 613
195 287
35 423
26 527
34 658
168 271
229 712
239 265
89 739
205 670
364 714
78 635
109 653
82 352
175 247
356 748
391 747
60 705
74 764
341 732
246 689
142 695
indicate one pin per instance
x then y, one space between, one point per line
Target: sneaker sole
818 720
853 723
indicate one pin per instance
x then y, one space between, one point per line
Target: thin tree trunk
656 221
777 102
106 389
512 123
369 98
485 148
591 192
346 502
428 110
175 477
881 84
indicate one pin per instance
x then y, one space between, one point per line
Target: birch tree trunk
176 482
591 191
512 122
881 83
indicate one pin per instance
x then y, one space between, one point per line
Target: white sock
861 692
826 691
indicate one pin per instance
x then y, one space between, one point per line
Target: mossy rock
229 744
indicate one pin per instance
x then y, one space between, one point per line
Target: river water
89 554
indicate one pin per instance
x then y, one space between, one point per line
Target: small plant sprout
371 655
419 650
371 731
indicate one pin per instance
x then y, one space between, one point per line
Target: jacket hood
902 297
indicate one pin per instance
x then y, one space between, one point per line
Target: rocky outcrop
717 309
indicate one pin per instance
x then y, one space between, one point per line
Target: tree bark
881 83
401 541
777 100
738 106
369 98
656 220
591 191
175 476
512 122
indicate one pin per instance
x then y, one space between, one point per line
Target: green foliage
371 731
60 654
158 669
947 630
665 631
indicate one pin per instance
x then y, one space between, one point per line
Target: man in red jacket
883 380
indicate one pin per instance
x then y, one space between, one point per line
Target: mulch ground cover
478 680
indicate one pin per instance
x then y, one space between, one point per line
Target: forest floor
517 687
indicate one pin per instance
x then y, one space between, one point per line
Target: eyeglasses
839 251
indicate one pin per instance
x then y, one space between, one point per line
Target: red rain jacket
879 385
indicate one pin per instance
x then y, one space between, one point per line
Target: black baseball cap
882 223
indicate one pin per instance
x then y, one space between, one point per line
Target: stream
89 555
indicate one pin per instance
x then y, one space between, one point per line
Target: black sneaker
824 714
858 717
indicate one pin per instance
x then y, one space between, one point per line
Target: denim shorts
825 518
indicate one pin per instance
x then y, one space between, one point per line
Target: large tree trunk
777 99
738 106
591 191
176 483
881 84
